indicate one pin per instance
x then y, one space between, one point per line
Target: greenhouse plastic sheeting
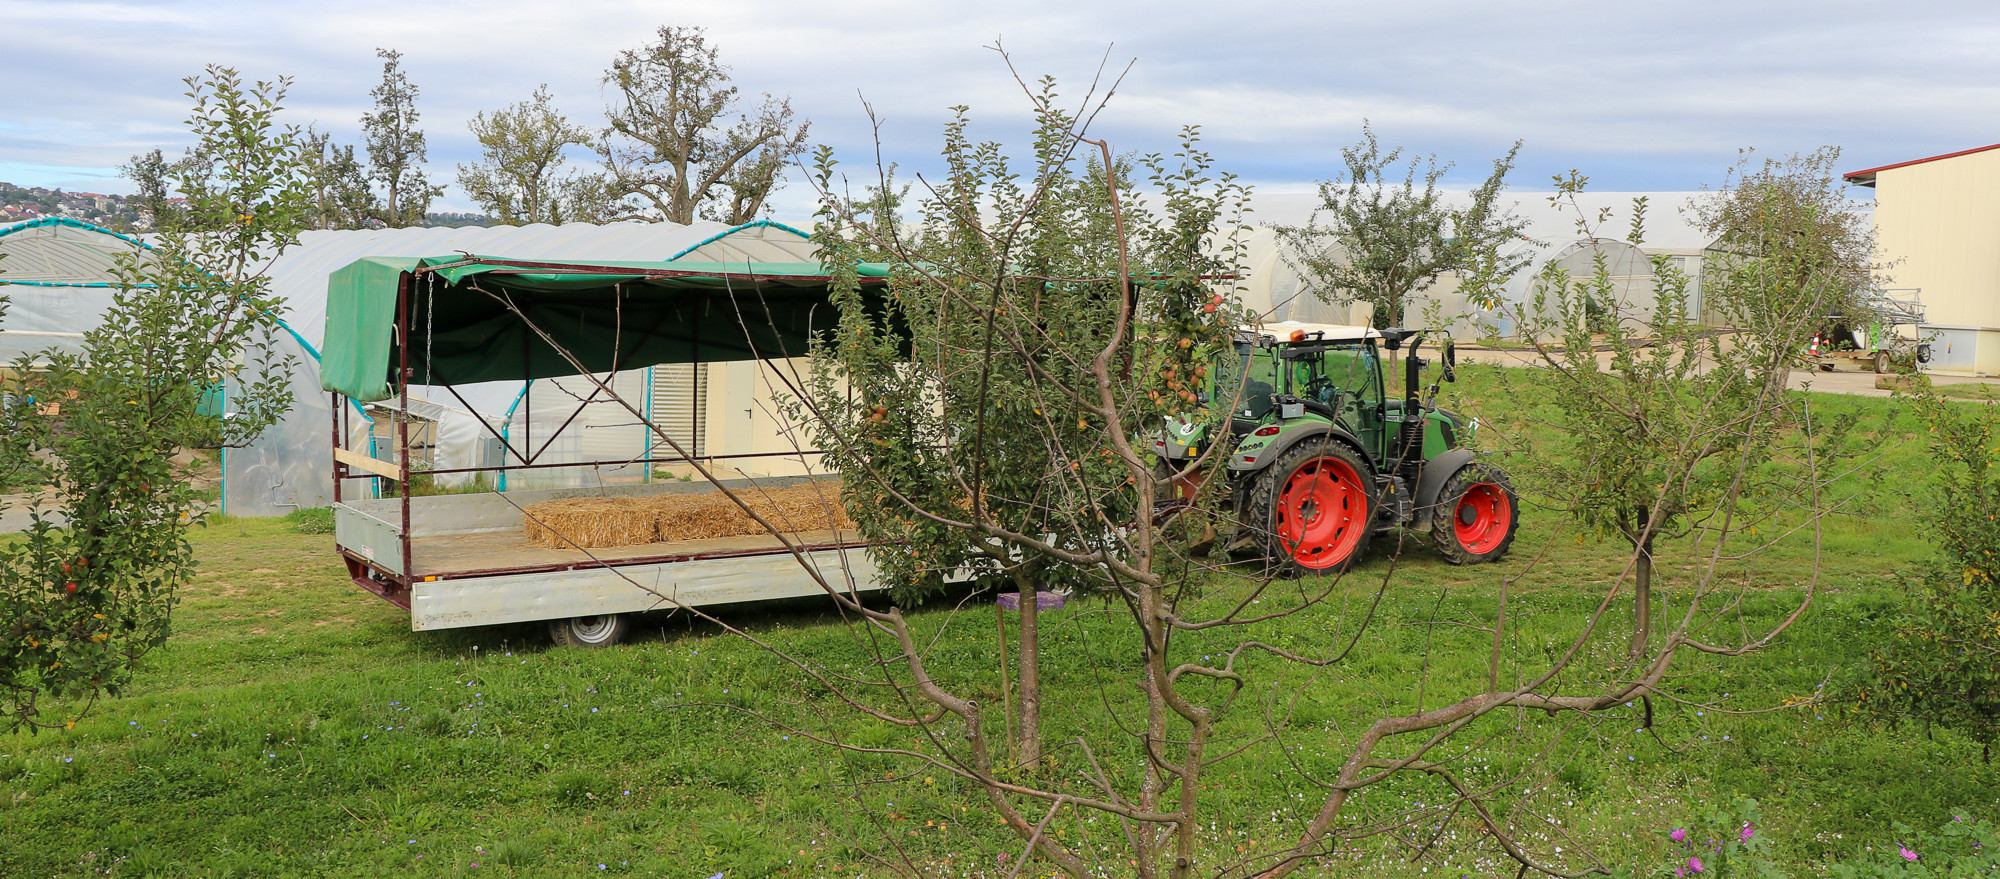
59 277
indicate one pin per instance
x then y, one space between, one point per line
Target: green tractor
1318 459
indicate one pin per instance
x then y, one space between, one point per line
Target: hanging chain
430 367
430 322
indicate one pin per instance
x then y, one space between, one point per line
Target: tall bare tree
396 150
668 148
520 177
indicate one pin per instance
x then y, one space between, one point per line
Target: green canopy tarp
467 324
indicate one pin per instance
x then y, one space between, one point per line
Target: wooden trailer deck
458 555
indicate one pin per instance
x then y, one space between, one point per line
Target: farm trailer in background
464 560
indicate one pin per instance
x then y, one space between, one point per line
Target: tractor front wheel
1316 506
1476 515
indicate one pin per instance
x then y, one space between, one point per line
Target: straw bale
803 507
589 522
623 521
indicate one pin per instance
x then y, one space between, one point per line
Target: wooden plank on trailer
363 462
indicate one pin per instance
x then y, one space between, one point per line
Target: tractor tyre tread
1445 536
1263 504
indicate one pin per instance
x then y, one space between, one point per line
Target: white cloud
1641 96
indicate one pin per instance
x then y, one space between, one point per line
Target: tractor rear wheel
1316 507
1476 515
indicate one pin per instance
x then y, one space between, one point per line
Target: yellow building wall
745 416
1939 224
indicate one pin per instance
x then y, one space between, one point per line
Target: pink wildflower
1748 831
1680 834
1905 852
1694 865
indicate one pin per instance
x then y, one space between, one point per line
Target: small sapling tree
1385 243
1943 666
91 586
1651 402
1010 290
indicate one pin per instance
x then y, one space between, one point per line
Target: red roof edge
1869 174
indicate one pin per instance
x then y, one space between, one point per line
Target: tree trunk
1642 595
1028 738
1006 681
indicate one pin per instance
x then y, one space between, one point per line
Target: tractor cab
1331 370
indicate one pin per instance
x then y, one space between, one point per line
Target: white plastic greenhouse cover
58 276
289 466
1273 286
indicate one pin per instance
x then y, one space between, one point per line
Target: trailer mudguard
1436 472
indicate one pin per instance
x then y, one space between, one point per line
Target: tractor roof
1328 332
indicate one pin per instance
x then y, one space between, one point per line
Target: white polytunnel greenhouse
1273 286
58 276
290 467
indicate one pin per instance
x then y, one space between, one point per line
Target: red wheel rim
1482 516
1322 510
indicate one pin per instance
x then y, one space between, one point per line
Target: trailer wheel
592 632
1476 515
1881 362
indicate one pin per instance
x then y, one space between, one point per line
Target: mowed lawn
294 726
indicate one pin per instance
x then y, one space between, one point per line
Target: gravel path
14 512
1858 383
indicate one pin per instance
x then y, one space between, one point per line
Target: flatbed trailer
464 560
468 561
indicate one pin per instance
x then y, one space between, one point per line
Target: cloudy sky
1638 95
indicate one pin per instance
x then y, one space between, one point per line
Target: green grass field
1970 391
294 726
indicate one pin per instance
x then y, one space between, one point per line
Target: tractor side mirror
1450 361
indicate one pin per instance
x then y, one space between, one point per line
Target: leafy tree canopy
671 149
90 589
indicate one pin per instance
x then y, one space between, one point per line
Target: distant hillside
123 213
119 213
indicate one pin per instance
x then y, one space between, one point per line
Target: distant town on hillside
126 213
